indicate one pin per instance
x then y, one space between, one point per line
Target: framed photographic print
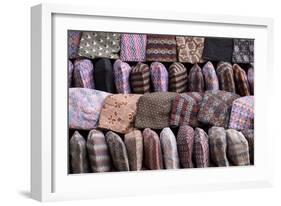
133 102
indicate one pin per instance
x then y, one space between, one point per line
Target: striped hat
118 151
78 154
195 79
121 72
159 77
201 148
169 149
70 73
210 77
134 144
152 150
249 135
161 48
177 77
225 76
98 152
140 78
133 47
185 140
250 76
241 81
73 43
83 74
242 113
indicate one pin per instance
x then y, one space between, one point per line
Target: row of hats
162 48
139 150
143 78
90 109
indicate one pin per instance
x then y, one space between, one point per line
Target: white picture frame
49 178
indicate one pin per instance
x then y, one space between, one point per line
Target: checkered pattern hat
210 77
83 74
201 148
225 76
243 51
159 77
121 71
177 77
195 79
73 43
241 81
70 73
140 78
249 135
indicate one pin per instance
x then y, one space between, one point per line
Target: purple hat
210 77
195 79
73 43
83 74
121 71
70 73
159 77
201 148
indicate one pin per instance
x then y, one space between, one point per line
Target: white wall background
15 101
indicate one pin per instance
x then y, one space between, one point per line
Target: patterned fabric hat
118 151
159 77
161 48
99 44
218 145
133 47
78 154
237 148
242 113
153 110
121 71
98 152
243 51
215 108
134 144
185 140
169 149
251 79
210 77
140 78
196 79
249 135
70 73
118 112
201 148
83 74
190 49
103 75
185 108
225 76
152 150
84 107
177 77
241 81
73 43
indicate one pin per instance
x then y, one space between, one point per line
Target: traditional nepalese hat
241 81
210 77
159 77
70 73
250 76
84 107
140 78
185 140
242 113
121 71
83 74
201 148
243 51
225 76
177 78
73 43
195 79
249 135
133 47
98 152
118 151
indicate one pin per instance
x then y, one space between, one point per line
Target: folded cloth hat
185 140
133 47
83 74
98 152
242 113
118 151
121 71
241 81
159 77
103 75
195 79
185 108
162 48
153 110
140 78
215 108
73 43
210 77
169 149
78 154
225 76
134 144
152 150
218 49
250 76
99 44
217 146
177 77
237 148
118 112
243 51
190 49
249 135
84 107
70 73
201 148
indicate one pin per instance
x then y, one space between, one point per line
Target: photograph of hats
142 102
